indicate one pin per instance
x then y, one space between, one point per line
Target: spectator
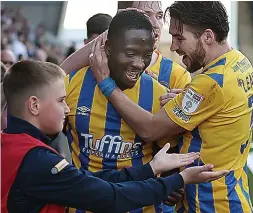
40 55
96 25
16 35
53 59
19 47
71 49
7 58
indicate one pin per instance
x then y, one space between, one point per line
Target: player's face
129 56
154 11
53 108
187 45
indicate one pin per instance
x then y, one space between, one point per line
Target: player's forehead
178 29
148 6
134 39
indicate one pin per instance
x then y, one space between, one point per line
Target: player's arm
149 127
204 98
80 58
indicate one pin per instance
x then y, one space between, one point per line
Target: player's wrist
107 86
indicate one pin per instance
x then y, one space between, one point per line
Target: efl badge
191 101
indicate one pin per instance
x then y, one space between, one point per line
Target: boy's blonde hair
26 79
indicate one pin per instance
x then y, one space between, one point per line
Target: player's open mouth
133 75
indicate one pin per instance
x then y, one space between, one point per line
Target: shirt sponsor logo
242 65
191 101
181 114
110 147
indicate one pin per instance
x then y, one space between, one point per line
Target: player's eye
149 54
180 39
159 16
129 54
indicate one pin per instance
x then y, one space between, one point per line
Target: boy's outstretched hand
163 161
199 174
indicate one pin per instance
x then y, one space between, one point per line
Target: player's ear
208 36
107 48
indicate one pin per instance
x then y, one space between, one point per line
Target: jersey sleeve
201 99
180 77
160 90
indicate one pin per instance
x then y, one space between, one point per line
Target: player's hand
163 161
103 36
151 74
199 174
99 61
170 95
174 197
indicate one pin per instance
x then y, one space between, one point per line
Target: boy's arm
161 162
126 174
70 187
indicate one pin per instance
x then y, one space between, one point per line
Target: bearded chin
197 58
195 65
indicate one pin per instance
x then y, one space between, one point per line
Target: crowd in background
19 41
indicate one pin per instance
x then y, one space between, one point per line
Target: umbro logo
83 110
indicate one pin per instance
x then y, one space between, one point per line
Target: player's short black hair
201 15
126 20
98 23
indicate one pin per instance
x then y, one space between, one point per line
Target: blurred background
40 28
52 30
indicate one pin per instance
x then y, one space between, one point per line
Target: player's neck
216 51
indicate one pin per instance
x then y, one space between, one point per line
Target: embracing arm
80 58
148 126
